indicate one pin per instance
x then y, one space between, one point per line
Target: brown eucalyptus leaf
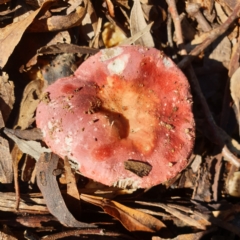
132 220
60 22
7 97
12 33
31 148
30 134
31 97
46 180
138 23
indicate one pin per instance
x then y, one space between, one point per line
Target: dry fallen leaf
132 220
59 23
31 97
137 35
46 180
12 33
31 148
138 23
30 134
7 97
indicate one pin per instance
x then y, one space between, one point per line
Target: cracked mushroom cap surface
125 117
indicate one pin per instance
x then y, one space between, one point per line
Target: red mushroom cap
125 117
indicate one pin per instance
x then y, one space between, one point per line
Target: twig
172 8
193 9
213 35
169 30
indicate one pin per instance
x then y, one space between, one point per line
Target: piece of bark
48 185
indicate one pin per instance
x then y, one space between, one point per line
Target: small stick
172 8
193 9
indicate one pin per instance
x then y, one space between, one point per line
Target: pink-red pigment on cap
125 117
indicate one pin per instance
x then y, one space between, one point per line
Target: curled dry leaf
7 97
138 23
46 180
59 23
31 97
132 220
12 34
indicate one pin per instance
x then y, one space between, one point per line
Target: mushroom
125 117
